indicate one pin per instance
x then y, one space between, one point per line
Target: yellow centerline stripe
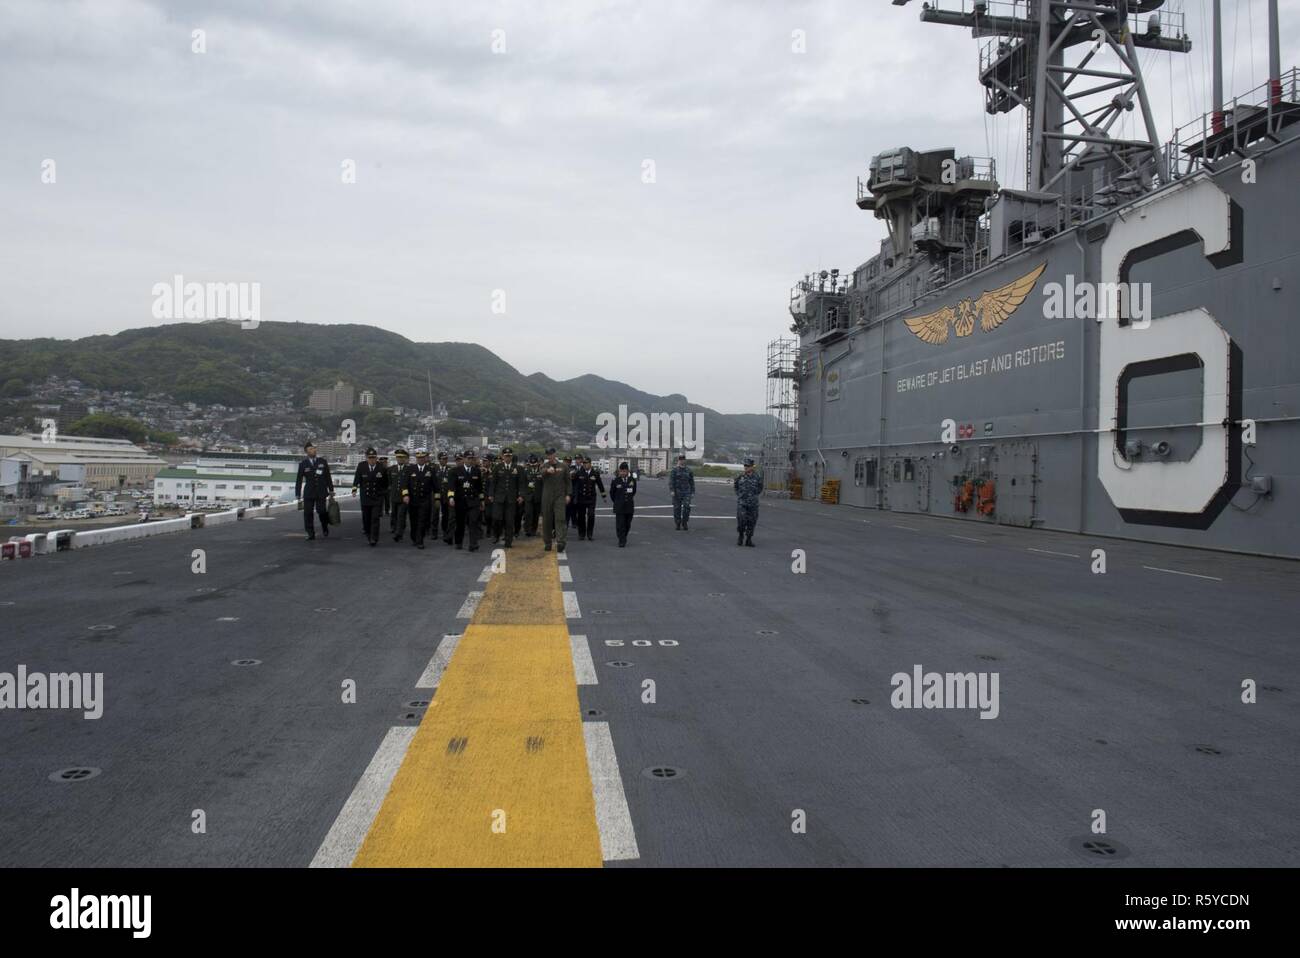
497 772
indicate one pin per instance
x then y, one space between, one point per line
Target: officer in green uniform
383 464
439 514
557 493
398 511
486 466
448 505
532 495
508 487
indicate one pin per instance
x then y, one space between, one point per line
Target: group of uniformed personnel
501 498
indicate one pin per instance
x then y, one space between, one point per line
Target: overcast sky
478 170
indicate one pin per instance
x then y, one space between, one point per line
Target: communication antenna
1023 64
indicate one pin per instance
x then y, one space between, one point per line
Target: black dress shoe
473 548
373 543
559 547
548 547
420 546
622 543
460 545
326 531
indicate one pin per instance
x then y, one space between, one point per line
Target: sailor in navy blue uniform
419 482
586 481
313 487
464 488
441 508
622 496
372 481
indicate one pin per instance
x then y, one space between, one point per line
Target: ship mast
1070 141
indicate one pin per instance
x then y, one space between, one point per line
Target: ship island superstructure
1111 349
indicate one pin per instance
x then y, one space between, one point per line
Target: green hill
217 362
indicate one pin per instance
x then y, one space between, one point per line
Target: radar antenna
1023 64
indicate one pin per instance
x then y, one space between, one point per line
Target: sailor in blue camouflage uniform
681 483
749 486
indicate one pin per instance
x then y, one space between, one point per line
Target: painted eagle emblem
992 309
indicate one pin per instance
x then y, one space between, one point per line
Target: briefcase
335 516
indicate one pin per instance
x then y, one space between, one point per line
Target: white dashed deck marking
1176 572
584 670
471 603
438 664
571 610
617 839
349 830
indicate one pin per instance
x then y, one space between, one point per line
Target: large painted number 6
1190 493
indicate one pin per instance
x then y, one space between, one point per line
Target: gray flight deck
1119 692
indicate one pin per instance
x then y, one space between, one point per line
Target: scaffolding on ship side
782 408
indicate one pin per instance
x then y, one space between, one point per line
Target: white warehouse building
193 485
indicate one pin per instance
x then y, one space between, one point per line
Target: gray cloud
477 171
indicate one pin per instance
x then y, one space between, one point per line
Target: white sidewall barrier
141 530
46 543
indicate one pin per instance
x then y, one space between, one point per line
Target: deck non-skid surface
721 698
